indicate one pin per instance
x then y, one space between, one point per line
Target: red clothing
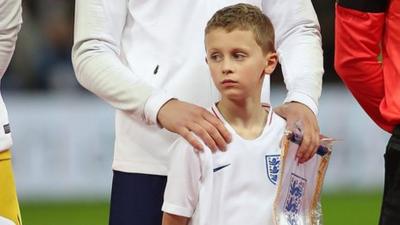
359 38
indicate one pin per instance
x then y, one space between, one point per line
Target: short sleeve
184 180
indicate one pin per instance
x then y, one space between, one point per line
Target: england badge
294 198
272 164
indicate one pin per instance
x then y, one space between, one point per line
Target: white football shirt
233 187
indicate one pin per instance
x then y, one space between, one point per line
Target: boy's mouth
229 81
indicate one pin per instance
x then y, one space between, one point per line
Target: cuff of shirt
176 210
373 6
302 98
153 105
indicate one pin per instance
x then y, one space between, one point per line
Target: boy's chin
232 96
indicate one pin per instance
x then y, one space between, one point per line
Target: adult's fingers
189 121
202 129
217 131
189 137
310 142
299 116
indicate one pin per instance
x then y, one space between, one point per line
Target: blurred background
64 135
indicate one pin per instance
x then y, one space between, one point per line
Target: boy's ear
271 61
205 58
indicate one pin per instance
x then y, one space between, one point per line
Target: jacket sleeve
359 27
10 24
96 59
298 43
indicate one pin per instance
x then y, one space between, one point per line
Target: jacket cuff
153 105
373 6
304 99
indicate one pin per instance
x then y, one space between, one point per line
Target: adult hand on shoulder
184 118
298 114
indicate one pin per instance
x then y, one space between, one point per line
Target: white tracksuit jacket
137 54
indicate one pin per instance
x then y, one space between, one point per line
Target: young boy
237 186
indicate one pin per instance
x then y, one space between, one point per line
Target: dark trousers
390 211
136 199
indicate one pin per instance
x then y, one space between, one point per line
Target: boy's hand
300 116
184 118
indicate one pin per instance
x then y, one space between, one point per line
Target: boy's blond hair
245 17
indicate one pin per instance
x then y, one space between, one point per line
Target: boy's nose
227 67
226 71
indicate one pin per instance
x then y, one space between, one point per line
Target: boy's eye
238 56
216 57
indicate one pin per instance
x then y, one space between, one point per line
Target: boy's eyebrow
212 50
240 49
237 49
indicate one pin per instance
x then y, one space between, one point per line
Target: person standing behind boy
10 24
145 58
232 187
364 30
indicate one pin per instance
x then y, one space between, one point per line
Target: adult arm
95 56
298 42
10 24
359 27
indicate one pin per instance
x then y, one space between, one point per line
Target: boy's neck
247 117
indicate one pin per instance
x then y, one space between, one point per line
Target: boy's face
237 63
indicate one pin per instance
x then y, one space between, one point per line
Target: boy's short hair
245 17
